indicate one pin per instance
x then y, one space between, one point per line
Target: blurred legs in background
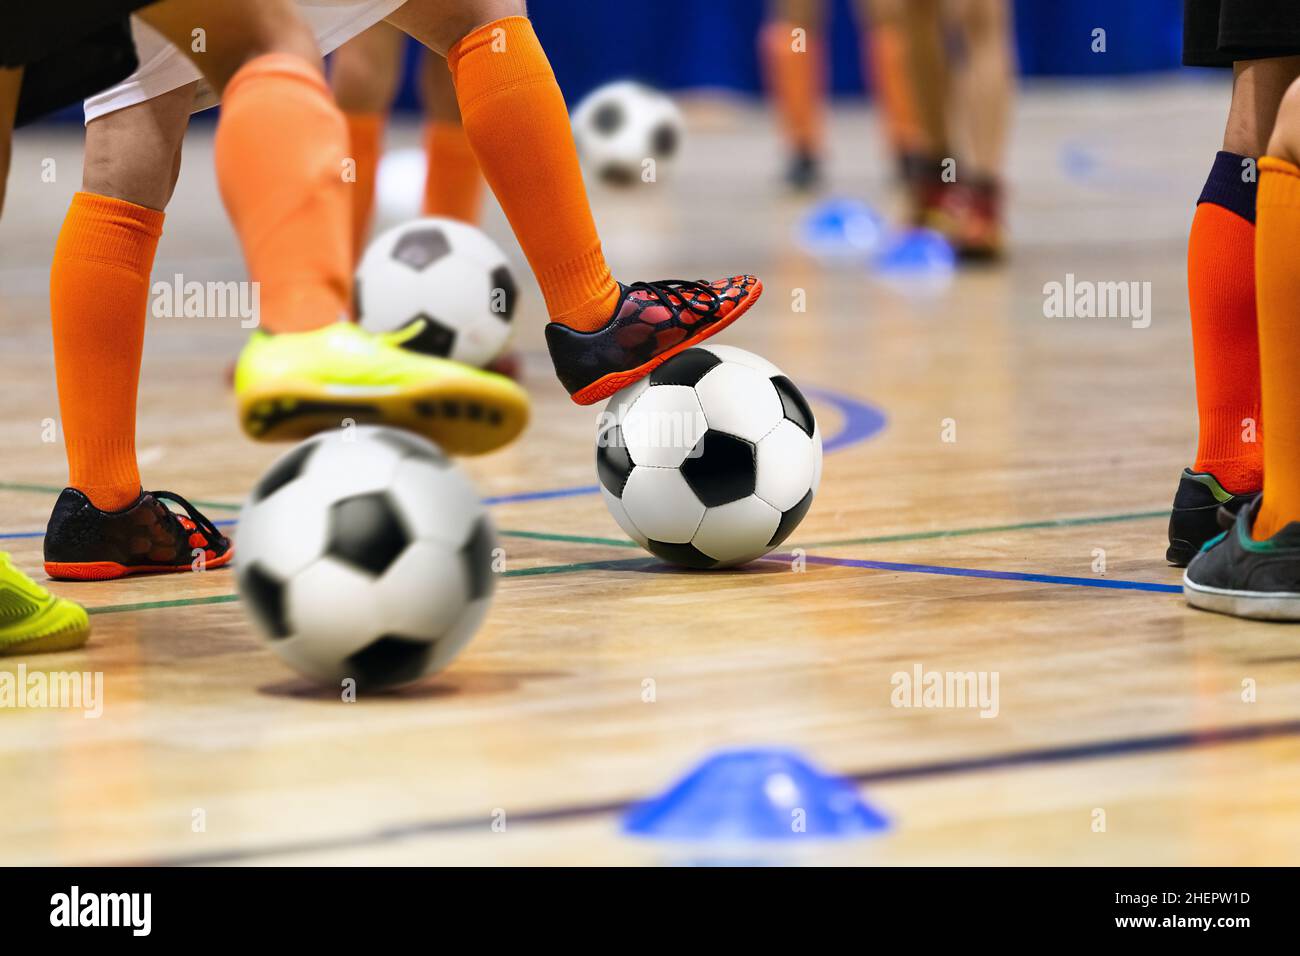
964 113
793 57
366 74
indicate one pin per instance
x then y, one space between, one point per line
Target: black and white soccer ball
365 553
712 460
626 130
448 274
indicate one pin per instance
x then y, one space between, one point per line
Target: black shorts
68 49
1220 32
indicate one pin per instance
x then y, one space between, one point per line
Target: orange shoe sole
108 570
607 385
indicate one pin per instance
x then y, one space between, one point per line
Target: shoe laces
664 290
197 519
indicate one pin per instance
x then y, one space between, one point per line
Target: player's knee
468 17
982 20
142 171
275 34
1285 140
362 86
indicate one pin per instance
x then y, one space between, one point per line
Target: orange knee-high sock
887 55
795 74
1277 284
1221 296
453 186
515 118
366 137
280 148
99 293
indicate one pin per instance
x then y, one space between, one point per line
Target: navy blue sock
1232 184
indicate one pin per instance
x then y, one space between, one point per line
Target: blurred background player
793 55
1243 268
943 72
297 233
962 66
365 74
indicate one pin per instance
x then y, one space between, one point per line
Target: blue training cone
756 795
841 229
916 261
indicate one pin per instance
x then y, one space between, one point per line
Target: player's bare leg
1253 570
884 25
364 74
11 82
453 185
793 57
985 78
1228 470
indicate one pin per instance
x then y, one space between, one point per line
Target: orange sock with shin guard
1277 284
99 294
280 148
1221 297
516 121
795 73
366 137
453 186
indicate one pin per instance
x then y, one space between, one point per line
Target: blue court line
858 422
542 495
1113 583
1042 756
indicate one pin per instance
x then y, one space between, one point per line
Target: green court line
155 605
608 564
54 490
232 598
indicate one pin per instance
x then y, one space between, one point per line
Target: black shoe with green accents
1235 574
1196 516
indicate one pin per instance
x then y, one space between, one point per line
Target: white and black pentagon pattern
619 126
445 284
366 553
712 460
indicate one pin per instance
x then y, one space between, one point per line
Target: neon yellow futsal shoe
33 621
294 385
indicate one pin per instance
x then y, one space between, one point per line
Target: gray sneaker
1235 574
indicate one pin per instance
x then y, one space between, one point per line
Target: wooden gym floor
1118 706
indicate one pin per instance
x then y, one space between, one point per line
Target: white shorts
164 68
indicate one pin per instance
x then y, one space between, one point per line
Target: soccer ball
365 553
450 275
621 125
711 461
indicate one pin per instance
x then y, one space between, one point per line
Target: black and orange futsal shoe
83 543
652 322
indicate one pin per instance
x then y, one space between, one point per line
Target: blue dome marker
760 794
843 229
916 263
916 252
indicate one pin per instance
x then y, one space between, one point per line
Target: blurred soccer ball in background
627 133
